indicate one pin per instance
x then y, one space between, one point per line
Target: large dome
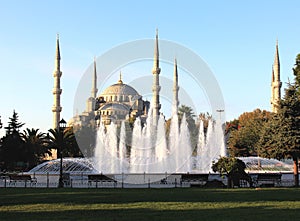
120 89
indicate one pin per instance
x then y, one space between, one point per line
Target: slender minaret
94 83
56 108
175 89
91 101
155 86
276 83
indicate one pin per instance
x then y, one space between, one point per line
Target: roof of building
120 89
115 106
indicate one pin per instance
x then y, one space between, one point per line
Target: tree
14 125
205 117
243 134
189 114
61 140
73 149
281 136
35 146
233 168
12 154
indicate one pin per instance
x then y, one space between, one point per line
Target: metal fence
131 181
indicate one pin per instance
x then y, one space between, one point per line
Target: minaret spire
56 108
156 54
94 83
120 78
276 83
175 89
155 86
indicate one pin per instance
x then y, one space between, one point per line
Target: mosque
116 103
121 102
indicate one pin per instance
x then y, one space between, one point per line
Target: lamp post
62 127
220 111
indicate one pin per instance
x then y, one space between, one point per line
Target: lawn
150 204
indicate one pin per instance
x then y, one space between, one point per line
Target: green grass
150 204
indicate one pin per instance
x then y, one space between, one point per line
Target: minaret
155 86
91 102
276 83
56 108
175 89
94 83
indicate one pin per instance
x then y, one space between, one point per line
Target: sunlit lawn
149 204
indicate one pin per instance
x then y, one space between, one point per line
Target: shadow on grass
241 213
17 196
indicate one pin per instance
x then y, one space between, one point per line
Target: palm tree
35 145
61 139
188 111
190 115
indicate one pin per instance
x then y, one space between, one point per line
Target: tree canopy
281 135
14 125
12 152
233 168
244 133
190 115
35 146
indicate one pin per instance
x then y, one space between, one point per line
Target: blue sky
235 38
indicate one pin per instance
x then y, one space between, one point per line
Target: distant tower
276 83
94 84
175 89
56 108
155 86
92 100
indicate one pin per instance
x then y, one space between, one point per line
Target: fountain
150 153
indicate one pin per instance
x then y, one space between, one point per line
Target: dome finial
120 78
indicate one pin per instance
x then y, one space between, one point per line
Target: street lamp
62 127
220 111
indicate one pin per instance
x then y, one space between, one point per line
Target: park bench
100 179
21 178
194 179
268 179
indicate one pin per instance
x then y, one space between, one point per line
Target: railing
82 181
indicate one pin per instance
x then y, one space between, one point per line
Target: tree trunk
296 171
229 182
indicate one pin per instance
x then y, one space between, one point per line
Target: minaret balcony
56 91
56 109
57 73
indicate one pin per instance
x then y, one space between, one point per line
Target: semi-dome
115 106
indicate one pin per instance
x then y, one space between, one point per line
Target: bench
268 179
14 179
100 178
195 179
